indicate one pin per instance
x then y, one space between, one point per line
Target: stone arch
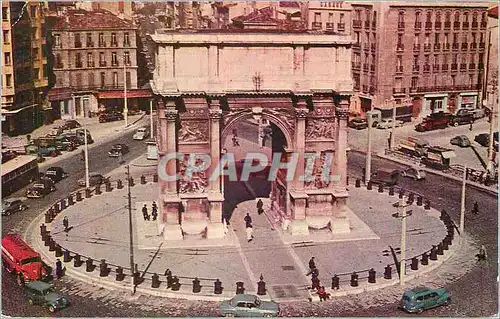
265 115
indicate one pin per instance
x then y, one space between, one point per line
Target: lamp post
125 105
131 231
151 118
404 214
392 102
86 152
462 202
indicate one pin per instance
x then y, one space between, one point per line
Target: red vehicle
21 260
434 121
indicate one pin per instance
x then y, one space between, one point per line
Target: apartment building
491 72
95 57
334 16
24 66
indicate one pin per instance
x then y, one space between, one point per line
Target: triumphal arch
206 81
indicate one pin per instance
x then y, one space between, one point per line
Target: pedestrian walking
315 272
235 132
470 126
475 210
482 254
154 210
389 140
65 223
59 269
235 141
315 283
312 266
323 295
248 220
260 204
249 231
145 212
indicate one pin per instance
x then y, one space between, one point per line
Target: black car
12 205
70 124
482 139
94 179
41 188
110 117
118 149
462 118
358 123
56 173
80 133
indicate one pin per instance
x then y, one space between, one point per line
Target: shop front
467 101
434 103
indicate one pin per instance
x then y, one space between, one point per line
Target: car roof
418 290
244 297
38 285
10 200
94 174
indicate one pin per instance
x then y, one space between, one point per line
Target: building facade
24 66
491 72
95 57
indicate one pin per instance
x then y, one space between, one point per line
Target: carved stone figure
196 183
317 172
190 132
319 129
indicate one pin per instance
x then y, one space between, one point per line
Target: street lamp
131 231
404 214
86 155
392 102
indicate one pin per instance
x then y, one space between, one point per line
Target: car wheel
52 309
447 301
228 315
267 315
420 310
455 124
30 301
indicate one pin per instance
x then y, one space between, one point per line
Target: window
78 42
472 56
6 37
454 58
90 59
45 71
127 58
115 79
357 14
102 41
471 79
474 39
5 13
400 40
457 16
342 18
429 17
103 79
356 34
445 59
78 60
436 59
57 41
368 15
57 61
414 82
33 11
415 60
474 17
128 79
455 37
453 80
401 17
399 61
374 17
79 80
417 17
7 60
114 42
330 17
447 17
90 79
436 37
466 17
126 39
416 40
438 17
114 59
90 43
317 17
446 38
8 80
102 59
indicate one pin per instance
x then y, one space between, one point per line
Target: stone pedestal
299 227
340 225
215 230
172 232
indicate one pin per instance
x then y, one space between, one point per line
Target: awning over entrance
448 154
60 94
119 94
5 112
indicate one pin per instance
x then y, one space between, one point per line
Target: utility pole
368 164
125 105
151 118
462 202
131 231
402 263
393 102
86 152
492 100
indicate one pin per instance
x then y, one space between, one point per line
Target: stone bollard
119 274
380 188
108 186
444 243
261 286
87 193
77 260
196 285
440 249
354 279
427 205
155 281
131 182
358 183
143 179
52 244
89 265
419 201
401 193
240 289
48 217
347 180
47 239
391 191
71 201
98 189
371 276
79 196
155 178
176 285
433 255
217 286
137 278
425 259
411 198
335 282
119 184
66 256
63 205
168 274
414 263
369 186
58 250
103 269
43 229
388 272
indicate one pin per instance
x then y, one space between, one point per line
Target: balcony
413 90
437 46
78 44
399 69
483 24
90 64
341 27
90 44
444 88
317 25
401 25
428 25
366 47
427 68
366 88
367 24
372 67
102 63
400 47
329 26
373 47
473 46
115 63
454 46
374 25
416 47
356 45
447 25
435 68
456 25
365 67
444 67
418 26
465 46
475 24
398 90
465 25
481 46
437 25
356 65
463 66
356 24
102 44
472 66
427 47
416 68
78 64
454 66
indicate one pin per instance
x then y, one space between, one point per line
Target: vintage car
12 205
71 124
118 149
42 293
388 177
110 117
141 133
413 172
94 179
81 136
358 123
460 140
422 298
56 173
462 117
41 188
245 305
387 123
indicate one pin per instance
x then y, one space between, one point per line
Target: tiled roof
493 12
91 20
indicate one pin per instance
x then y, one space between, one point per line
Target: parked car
42 293
71 124
81 136
94 179
415 173
358 123
12 205
461 118
141 133
8 155
118 149
388 177
387 123
460 140
245 305
110 117
422 298
41 188
482 139
56 173
73 137
56 130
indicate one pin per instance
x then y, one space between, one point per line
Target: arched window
401 17
466 16
447 17
474 17
457 16
429 16
417 16
438 17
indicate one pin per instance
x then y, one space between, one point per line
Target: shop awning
5 112
60 94
448 154
119 94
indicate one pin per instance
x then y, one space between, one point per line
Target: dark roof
91 20
493 12
266 16
289 4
